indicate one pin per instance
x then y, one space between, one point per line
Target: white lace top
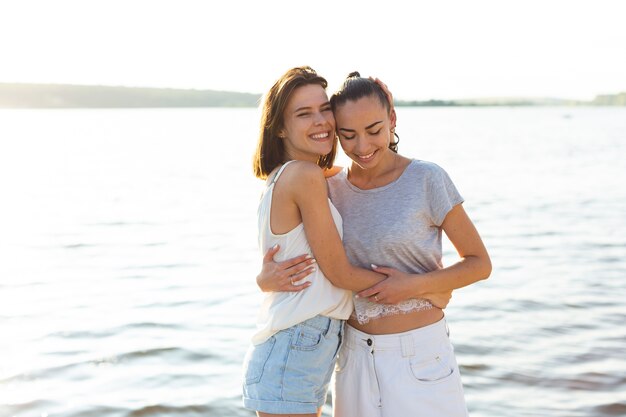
397 225
365 310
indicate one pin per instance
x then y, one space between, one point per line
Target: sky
435 49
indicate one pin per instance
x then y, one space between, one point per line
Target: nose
319 118
324 118
362 146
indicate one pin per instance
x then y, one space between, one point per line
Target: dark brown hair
270 150
356 87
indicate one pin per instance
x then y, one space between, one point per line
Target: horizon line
475 98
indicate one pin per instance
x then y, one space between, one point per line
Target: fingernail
313 260
275 246
356 296
308 257
374 266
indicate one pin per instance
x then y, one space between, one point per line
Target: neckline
382 187
280 171
268 193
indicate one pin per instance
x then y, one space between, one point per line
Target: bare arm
474 265
311 196
286 275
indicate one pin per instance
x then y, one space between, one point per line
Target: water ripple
611 409
32 407
87 293
165 410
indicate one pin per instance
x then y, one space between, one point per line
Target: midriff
399 323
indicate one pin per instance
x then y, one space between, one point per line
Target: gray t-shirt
397 225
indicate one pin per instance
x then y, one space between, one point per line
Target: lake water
128 256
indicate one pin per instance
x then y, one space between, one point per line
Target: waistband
323 323
423 338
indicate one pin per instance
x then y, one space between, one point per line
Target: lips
367 157
320 136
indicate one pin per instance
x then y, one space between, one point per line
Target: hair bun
354 74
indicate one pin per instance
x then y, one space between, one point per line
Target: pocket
257 359
434 370
309 365
307 338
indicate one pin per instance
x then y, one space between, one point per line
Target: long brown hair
270 150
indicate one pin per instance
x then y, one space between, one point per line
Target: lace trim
365 310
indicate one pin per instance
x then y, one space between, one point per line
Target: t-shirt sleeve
443 195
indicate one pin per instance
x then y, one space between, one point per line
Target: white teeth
320 135
368 156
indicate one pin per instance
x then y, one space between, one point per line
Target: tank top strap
280 171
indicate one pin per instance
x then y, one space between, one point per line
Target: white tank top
281 310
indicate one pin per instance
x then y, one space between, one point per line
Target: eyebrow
309 107
366 127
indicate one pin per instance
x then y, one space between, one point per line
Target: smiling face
309 124
364 130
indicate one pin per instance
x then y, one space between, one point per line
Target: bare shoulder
300 172
303 177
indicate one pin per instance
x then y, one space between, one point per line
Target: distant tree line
80 96
68 96
610 100
426 103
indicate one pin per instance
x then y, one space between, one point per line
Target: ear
392 118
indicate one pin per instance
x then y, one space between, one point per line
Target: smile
320 136
366 157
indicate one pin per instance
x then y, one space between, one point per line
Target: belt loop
408 346
348 337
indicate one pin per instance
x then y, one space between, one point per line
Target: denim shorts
290 372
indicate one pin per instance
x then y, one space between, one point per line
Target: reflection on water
129 250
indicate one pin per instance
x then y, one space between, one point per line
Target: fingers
375 289
285 276
370 292
380 83
294 277
298 263
382 269
440 299
269 255
295 287
297 281
377 296
299 276
385 89
439 303
296 272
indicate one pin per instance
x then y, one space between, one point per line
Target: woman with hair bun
289 365
396 358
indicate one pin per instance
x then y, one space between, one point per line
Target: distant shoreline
50 96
